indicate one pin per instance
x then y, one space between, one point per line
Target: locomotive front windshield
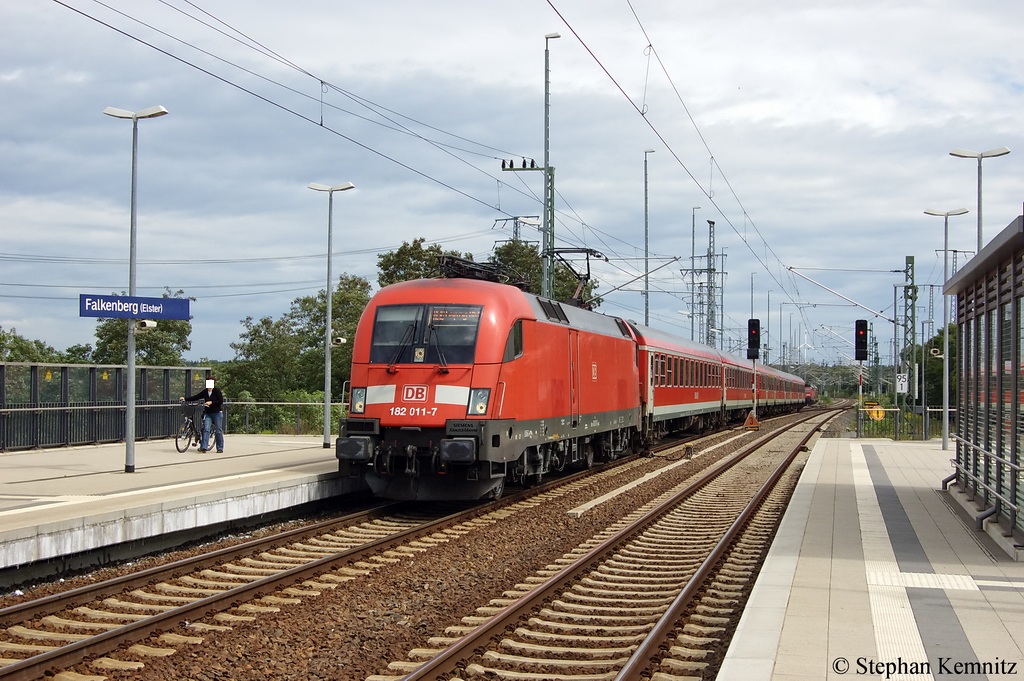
432 334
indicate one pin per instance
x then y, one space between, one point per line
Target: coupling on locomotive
459 385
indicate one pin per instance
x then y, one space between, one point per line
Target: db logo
414 393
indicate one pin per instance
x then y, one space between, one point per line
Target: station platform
59 503
877 573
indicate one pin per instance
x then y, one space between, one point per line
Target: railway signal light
860 340
753 338
754 333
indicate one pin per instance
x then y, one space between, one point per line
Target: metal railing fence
34 426
897 424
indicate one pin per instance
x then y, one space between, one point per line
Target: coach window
514 343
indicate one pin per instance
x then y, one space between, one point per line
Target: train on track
460 385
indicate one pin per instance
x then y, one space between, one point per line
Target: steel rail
74 653
651 647
68 655
449 661
54 603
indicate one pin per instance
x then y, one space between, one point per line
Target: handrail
979 482
149 405
987 454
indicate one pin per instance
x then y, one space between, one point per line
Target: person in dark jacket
213 417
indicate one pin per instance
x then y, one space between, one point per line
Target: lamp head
964 153
336 188
151 112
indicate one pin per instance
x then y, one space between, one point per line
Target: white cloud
832 124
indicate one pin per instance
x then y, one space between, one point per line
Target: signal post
860 353
753 353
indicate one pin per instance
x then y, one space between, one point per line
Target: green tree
162 346
275 357
933 368
266 358
412 261
521 259
307 320
16 348
78 354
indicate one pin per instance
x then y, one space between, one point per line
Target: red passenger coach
460 384
682 382
692 387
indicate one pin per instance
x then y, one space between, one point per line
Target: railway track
178 605
231 585
671 576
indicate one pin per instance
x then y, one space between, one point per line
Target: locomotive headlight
478 399
358 404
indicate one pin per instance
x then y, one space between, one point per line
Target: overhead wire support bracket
836 293
639 276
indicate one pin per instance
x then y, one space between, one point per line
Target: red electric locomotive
460 384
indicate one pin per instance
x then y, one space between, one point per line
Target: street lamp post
991 153
647 249
945 313
327 333
129 430
693 268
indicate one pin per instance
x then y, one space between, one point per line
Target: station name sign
132 307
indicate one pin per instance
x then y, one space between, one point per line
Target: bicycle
188 434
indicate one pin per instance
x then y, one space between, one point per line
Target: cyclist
213 417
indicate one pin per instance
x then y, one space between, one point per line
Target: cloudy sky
813 133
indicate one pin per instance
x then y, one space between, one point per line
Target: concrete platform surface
877 573
56 502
